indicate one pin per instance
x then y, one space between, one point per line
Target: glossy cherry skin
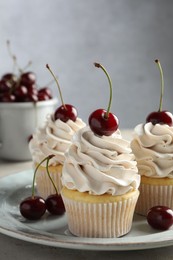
55 205
65 112
9 77
4 86
33 208
28 78
46 91
7 97
160 117
20 93
160 217
42 96
101 125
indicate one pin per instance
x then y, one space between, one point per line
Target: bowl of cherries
23 107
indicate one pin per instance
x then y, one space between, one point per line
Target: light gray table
11 248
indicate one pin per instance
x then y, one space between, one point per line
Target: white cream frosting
100 165
53 138
153 149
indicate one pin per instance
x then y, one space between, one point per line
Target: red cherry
10 77
28 78
46 91
65 112
42 96
5 86
101 125
31 98
103 122
160 117
20 93
160 217
33 208
55 205
7 97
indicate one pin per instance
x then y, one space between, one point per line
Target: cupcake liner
100 220
44 184
154 195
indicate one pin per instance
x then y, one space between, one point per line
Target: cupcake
54 138
153 149
152 146
100 178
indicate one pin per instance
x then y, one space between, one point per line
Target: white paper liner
154 195
104 220
44 184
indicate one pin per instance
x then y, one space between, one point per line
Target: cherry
160 117
21 92
46 91
160 217
65 111
4 86
9 77
33 208
31 98
102 126
28 78
7 97
42 96
103 122
55 205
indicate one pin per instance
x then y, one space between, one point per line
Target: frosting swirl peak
53 138
100 164
153 149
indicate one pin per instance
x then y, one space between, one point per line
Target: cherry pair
34 207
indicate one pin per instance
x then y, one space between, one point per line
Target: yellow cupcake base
154 192
99 215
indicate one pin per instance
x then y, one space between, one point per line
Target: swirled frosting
53 138
153 149
100 165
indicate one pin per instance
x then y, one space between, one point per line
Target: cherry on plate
160 217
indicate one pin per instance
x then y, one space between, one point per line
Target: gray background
124 35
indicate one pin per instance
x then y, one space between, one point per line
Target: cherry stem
27 66
48 67
47 168
162 84
33 182
12 56
98 65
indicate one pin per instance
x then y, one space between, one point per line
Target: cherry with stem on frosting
160 217
103 122
160 116
54 202
34 207
65 111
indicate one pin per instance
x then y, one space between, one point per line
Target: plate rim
72 242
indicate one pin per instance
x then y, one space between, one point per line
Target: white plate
53 231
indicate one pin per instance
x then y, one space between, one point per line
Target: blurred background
125 36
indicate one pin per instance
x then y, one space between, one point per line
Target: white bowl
18 122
